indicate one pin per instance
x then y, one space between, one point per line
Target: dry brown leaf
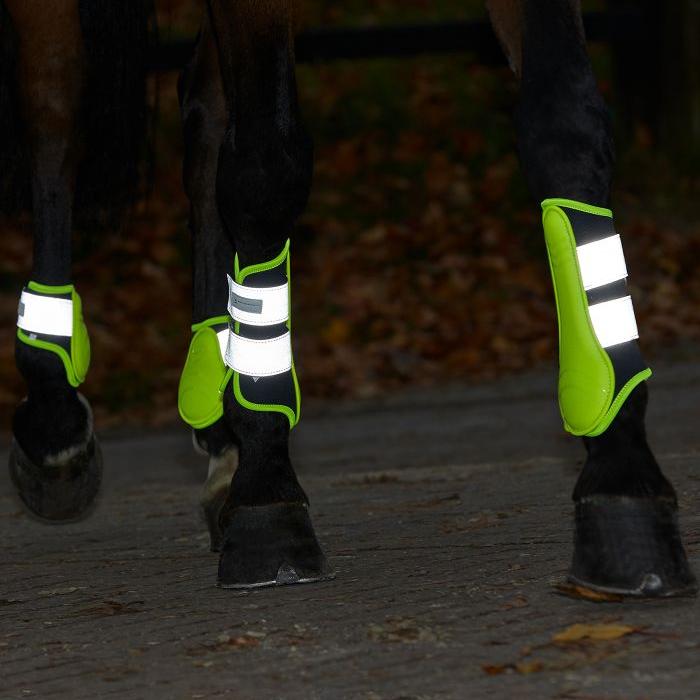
240 642
581 592
495 669
597 632
520 601
336 332
527 667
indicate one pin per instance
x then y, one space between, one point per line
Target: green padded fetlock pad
599 358
199 398
71 343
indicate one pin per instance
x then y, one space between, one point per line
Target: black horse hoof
59 493
271 545
630 546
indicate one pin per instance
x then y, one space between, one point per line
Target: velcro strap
45 314
258 306
613 321
259 358
601 262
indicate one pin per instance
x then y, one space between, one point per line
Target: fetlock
52 423
55 462
52 352
265 474
215 440
620 461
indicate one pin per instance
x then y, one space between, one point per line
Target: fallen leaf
597 632
239 642
401 630
526 667
583 593
336 332
496 669
520 601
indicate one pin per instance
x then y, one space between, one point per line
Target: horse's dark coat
562 123
247 171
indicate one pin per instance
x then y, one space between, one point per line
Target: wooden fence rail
655 50
351 43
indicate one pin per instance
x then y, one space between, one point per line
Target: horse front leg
262 185
627 539
55 461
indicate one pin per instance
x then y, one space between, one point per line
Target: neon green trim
579 206
263 407
225 380
619 400
240 276
199 400
77 362
207 323
80 342
586 373
50 289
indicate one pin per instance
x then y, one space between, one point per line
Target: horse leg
55 462
627 537
262 184
204 118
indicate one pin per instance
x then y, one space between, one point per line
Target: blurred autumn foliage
419 260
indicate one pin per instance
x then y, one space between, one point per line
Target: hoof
630 546
271 546
215 492
58 493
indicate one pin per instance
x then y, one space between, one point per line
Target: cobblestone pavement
447 517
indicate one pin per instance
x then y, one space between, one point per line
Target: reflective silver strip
258 306
46 315
222 337
601 262
613 321
259 358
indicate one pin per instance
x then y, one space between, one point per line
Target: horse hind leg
627 539
55 462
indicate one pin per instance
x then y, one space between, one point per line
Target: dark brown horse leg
263 182
204 118
627 537
54 462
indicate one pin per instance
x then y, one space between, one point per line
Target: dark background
420 258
